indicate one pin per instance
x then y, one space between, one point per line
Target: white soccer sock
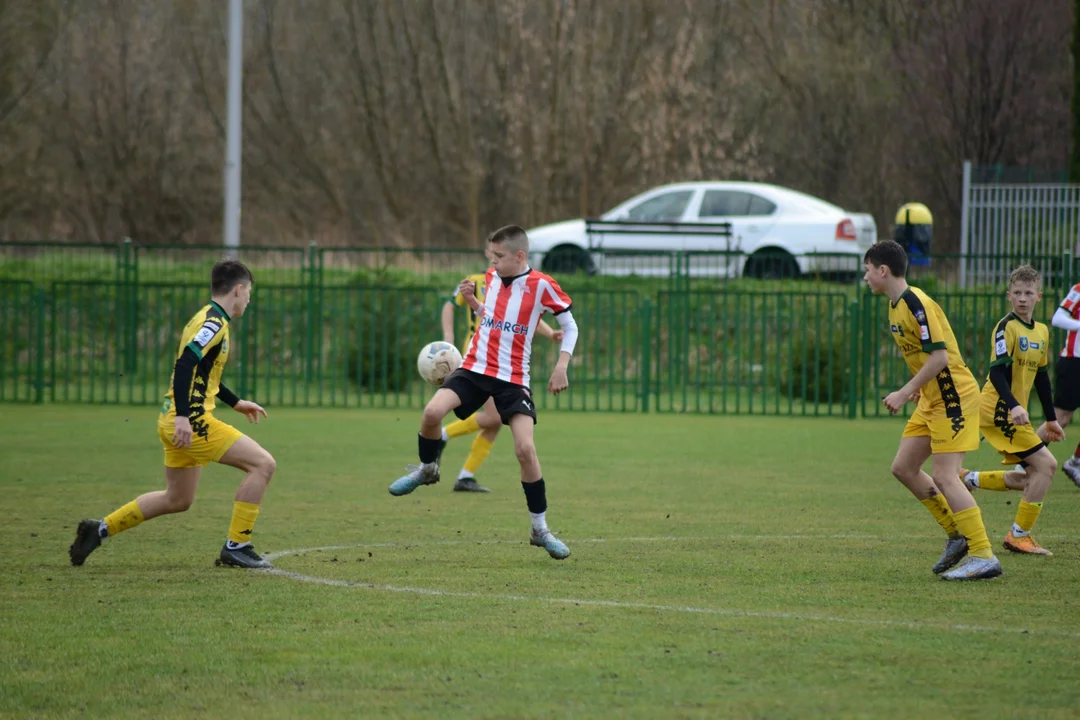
464 474
427 466
1017 531
972 478
539 522
445 437
103 530
235 546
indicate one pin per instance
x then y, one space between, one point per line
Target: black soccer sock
535 496
429 449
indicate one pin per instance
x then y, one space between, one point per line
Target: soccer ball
436 361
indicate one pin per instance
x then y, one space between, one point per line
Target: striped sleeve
929 329
1072 300
1002 352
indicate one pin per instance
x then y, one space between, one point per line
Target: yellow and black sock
125 518
243 522
969 523
939 508
463 427
1026 515
992 480
481 447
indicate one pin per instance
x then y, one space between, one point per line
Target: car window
662 208
734 203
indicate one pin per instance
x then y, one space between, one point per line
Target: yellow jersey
479 281
207 334
1024 348
919 327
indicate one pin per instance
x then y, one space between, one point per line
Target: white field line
728 612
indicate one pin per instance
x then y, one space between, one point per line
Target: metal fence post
854 376
39 348
645 352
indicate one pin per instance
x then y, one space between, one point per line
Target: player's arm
249 409
1054 432
448 322
1064 320
183 374
542 328
935 363
559 380
1000 359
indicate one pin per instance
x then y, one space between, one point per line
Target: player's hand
915 396
557 336
1019 416
558 381
1054 431
250 409
181 437
895 401
467 288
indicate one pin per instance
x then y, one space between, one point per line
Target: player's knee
432 416
178 503
267 465
900 471
525 451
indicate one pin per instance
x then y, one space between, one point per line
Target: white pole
233 128
964 219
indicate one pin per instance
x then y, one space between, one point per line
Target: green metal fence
699 351
341 328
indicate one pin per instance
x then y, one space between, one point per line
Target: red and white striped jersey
502 344
1071 305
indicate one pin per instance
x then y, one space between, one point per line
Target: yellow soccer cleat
1025 545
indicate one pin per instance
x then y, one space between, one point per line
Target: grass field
722 567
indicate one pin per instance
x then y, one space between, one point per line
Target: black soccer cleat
243 557
87 540
469 485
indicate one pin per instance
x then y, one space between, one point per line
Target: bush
391 326
819 370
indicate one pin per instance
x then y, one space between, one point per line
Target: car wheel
567 259
771 264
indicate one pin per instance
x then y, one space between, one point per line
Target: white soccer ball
436 361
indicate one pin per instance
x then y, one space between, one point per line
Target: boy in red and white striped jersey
497 366
1067 374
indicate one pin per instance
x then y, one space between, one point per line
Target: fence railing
795 351
45 263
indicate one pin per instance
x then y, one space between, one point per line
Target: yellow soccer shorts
205 447
1014 442
947 435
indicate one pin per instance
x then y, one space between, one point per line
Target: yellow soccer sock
939 508
463 427
243 522
478 454
1027 514
123 519
969 523
992 480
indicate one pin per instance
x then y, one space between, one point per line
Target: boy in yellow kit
486 421
1018 360
945 422
193 438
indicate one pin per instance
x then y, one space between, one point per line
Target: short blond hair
1027 274
512 237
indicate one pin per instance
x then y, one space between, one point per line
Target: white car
762 231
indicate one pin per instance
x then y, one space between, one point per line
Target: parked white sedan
761 231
